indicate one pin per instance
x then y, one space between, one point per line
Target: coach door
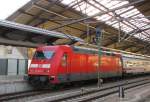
65 66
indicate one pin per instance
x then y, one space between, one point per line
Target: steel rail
18 95
85 92
34 93
104 93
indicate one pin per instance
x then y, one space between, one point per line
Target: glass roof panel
147 26
104 2
124 10
147 31
143 36
90 12
132 12
118 4
97 5
130 17
104 17
67 1
111 22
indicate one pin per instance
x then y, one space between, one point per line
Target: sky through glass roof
130 18
8 7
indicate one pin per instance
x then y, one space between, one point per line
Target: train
59 64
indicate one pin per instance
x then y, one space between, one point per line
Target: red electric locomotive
64 63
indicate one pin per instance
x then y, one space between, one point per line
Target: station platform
138 94
13 83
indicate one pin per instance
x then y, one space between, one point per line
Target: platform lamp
99 41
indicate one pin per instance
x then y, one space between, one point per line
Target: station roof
126 23
23 35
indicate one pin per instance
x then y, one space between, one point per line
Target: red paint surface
76 62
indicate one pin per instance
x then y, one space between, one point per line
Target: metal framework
113 12
125 25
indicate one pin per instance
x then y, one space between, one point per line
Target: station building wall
13 60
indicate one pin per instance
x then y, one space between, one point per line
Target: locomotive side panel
110 63
110 66
85 67
78 68
92 61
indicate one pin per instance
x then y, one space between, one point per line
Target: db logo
40 65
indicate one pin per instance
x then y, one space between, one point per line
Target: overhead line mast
99 41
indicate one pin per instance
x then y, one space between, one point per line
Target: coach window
64 60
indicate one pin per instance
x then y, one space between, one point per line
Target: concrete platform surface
138 94
12 84
11 78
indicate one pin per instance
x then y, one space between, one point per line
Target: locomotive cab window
64 60
43 54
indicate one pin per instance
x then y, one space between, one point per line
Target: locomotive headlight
33 65
46 66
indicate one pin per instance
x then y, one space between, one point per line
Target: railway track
19 95
11 96
85 95
75 93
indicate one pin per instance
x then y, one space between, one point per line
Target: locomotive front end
41 64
